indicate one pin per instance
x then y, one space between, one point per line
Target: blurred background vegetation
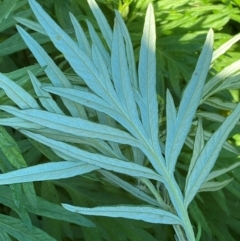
181 30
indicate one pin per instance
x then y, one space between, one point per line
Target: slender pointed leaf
81 37
73 125
147 76
79 61
208 156
197 148
112 164
20 96
44 97
53 72
47 171
147 214
102 22
129 51
96 41
31 24
214 186
189 104
92 101
121 78
220 172
224 47
171 114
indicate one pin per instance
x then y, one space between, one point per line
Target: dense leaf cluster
119 120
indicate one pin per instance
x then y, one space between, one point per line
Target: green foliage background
181 30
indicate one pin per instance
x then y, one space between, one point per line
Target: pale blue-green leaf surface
102 22
79 61
97 41
31 24
73 125
224 47
129 51
214 186
44 97
93 101
208 156
171 114
220 172
197 148
147 76
105 75
111 164
19 123
81 37
17 94
145 213
53 72
47 171
219 78
188 105
121 77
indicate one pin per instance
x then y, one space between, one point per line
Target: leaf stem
174 192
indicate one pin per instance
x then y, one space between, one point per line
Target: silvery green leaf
102 22
53 72
224 47
219 104
189 104
31 24
73 125
111 164
79 61
81 37
218 78
227 146
145 213
44 97
22 73
98 144
128 187
121 78
129 51
230 83
20 96
171 115
104 72
208 156
92 101
211 116
214 186
220 172
152 189
19 123
197 148
66 157
106 120
138 156
47 171
147 76
97 41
